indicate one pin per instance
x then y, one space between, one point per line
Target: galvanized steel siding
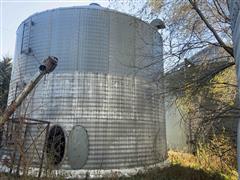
97 83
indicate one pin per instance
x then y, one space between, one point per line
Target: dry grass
203 161
177 172
184 166
183 159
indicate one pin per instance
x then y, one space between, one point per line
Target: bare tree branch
218 38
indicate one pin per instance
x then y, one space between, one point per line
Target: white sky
13 12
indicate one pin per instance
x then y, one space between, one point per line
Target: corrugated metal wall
235 16
100 82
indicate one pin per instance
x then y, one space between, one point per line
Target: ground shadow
176 172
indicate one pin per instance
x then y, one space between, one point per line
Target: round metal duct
55 145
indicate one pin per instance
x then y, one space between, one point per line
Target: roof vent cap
158 23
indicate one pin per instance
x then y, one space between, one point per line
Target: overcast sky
13 12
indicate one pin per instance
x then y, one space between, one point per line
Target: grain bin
101 100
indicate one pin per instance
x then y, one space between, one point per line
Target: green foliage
223 86
219 155
5 74
208 101
204 161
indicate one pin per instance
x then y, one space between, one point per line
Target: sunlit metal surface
103 82
77 147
